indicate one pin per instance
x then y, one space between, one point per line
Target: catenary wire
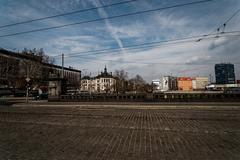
67 13
145 45
147 62
105 18
225 22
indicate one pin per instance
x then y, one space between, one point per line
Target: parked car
19 93
5 92
43 96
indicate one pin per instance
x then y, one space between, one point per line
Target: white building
87 84
157 84
168 83
222 86
200 83
165 83
103 83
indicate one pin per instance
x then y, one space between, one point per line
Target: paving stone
70 134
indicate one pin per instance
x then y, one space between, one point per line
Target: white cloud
168 57
104 14
73 44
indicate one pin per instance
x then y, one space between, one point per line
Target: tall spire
105 69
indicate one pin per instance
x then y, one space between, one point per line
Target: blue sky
151 62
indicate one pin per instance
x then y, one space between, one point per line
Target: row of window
99 80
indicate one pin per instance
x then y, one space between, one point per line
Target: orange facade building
185 84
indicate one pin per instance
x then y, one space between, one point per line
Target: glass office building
224 73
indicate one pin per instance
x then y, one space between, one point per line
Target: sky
191 58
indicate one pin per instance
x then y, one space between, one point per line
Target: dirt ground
114 133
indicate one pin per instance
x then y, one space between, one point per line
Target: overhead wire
145 63
225 22
230 18
147 45
67 13
137 62
153 44
151 63
105 18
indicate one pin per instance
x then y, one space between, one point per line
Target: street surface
114 133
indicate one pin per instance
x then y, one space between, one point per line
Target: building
222 87
156 84
224 73
200 83
88 84
238 81
165 83
185 83
15 67
103 83
168 83
9 70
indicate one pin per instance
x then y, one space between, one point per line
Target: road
114 133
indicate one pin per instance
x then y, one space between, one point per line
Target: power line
228 20
68 13
152 62
84 57
105 18
149 44
129 47
225 23
120 49
235 13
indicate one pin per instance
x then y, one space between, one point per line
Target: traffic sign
27 79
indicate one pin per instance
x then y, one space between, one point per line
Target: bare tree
137 84
33 67
38 54
121 80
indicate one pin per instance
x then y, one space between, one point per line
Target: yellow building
200 83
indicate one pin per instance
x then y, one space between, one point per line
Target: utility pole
27 80
62 75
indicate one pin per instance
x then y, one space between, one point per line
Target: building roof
33 58
223 64
87 78
184 78
105 74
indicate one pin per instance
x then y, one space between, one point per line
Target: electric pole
62 75
27 80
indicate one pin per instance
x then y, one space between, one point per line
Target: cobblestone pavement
48 133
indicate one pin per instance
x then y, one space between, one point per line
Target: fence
153 97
